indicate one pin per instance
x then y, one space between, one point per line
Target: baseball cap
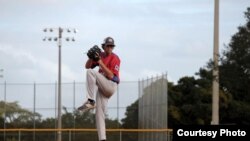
108 41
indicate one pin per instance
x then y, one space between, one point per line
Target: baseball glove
94 53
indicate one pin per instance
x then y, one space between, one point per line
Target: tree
15 116
235 64
189 102
235 75
131 121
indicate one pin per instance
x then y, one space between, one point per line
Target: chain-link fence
153 109
42 97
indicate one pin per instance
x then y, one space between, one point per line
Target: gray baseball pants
104 89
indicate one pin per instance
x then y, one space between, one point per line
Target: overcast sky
151 36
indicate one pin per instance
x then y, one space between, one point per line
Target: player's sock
91 100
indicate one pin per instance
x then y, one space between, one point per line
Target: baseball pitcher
102 84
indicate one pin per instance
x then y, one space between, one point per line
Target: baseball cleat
87 106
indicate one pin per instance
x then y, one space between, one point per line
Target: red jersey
112 62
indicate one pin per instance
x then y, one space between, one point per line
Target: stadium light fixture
59 40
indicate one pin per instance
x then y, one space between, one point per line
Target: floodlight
58 39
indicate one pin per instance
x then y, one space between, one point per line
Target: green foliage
235 76
235 64
132 113
190 100
17 117
131 121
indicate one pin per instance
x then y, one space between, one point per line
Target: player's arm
90 64
106 71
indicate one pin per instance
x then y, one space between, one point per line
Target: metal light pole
4 114
59 39
215 97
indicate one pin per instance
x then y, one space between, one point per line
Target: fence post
74 105
120 135
69 135
118 119
4 124
55 108
19 135
34 111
